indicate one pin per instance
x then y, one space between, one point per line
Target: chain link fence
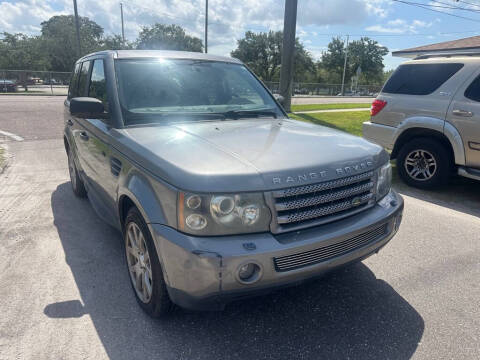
319 89
56 83
34 82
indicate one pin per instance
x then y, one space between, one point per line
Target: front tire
77 184
424 163
144 267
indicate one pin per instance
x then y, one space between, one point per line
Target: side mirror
280 99
87 107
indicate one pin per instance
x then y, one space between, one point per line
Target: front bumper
202 272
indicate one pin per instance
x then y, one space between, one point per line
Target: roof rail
475 52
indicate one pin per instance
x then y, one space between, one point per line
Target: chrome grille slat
322 211
295 261
321 203
321 199
326 253
300 190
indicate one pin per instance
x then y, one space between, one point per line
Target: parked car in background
428 115
7 86
218 194
51 82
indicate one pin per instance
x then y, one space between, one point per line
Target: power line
468 3
445 6
437 11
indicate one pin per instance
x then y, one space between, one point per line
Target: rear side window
98 85
83 78
420 79
72 90
473 90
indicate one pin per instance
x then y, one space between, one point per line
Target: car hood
247 155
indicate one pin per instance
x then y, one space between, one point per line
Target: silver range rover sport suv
218 194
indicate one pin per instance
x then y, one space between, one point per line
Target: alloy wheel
420 165
138 261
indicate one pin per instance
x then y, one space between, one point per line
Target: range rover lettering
218 194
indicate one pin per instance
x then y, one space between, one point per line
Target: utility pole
77 26
206 26
123 28
288 52
344 68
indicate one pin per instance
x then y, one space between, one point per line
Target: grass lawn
309 107
350 122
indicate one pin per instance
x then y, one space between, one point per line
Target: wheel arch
137 190
442 131
412 133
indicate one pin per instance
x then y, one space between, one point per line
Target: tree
262 52
167 37
365 53
368 55
19 51
116 42
60 40
333 60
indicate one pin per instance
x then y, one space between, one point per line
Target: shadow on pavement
347 314
461 194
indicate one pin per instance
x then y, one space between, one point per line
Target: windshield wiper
237 114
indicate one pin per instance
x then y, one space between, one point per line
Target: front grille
316 204
295 261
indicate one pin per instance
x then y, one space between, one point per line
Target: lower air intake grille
295 261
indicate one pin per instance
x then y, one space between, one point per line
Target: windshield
161 90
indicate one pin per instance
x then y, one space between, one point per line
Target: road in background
66 292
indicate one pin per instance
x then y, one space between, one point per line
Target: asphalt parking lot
65 292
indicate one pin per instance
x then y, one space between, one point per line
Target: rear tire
77 184
144 267
424 163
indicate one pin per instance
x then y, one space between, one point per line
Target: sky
393 24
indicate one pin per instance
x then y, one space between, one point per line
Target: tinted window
98 85
473 91
195 88
72 90
82 79
420 79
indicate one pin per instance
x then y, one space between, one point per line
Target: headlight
222 214
384 180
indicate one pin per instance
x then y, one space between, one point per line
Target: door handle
69 122
84 135
463 113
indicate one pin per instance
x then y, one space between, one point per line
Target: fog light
249 273
196 222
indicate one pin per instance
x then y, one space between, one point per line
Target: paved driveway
65 292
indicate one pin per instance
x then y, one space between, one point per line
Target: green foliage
56 48
365 53
262 52
167 37
59 35
116 42
19 51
